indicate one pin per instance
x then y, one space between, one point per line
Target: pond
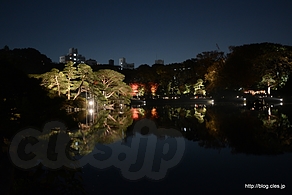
225 148
202 149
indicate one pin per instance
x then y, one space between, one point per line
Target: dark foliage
24 102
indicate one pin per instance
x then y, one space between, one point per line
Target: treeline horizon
256 66
30 51
24 102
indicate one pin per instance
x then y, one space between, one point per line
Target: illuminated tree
53 80
141 90
199 88
212 76
110 85
85 74
72 81
153 87
188 89
254 65
269 81
137 89
276 66
105 85
134 87
164 74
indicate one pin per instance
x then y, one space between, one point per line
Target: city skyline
143 30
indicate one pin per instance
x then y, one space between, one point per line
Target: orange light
154 113
153 88
134 87
135 113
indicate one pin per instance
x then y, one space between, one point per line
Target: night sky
142 30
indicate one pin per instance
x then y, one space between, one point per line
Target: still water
198 149
224 148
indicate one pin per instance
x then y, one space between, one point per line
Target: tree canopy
104 84
254 65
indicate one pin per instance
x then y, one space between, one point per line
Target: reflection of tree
212 122
209 134
277 126
250 134
109 127
40 180
244 131
137 113
200 113
176 116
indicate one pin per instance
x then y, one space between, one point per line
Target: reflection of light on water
200 113
244 101
154 113
90 111
135 113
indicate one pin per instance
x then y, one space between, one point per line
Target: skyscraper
72 56
125 65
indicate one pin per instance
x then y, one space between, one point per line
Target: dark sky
142 30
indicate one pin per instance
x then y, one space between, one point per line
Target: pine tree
110 84
54 80
72 79
86 76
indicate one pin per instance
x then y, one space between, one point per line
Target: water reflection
244 130
42 162
53 162
266 131
109 126
197 111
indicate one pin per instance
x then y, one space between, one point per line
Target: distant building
124 65
159 61
111 65
111 62
62 59
91 62
72 56
122 62
130 66
106 66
